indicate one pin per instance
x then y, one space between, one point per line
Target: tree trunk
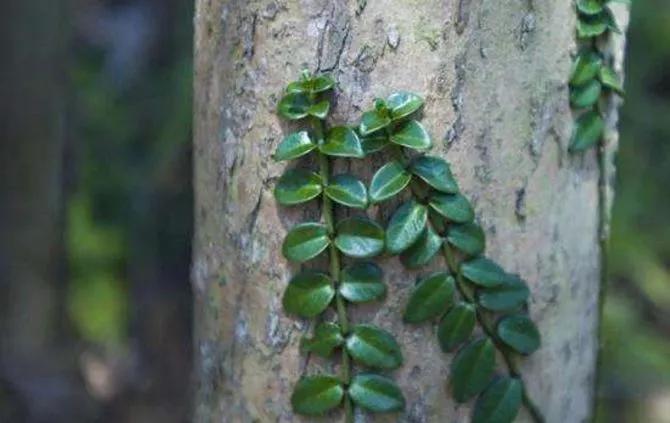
494 76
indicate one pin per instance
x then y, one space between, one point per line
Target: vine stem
327 211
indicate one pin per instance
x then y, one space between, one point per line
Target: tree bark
494 76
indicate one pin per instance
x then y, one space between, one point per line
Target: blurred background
108 336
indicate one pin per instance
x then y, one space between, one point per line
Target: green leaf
467 237
585 95
342 142
314 395
435 172
586 67
373 347
327 337
590 7
294 106
345 189
500 402
362 282
456 326
297 186
412 135
389 180
295 145
305 241
308 294
403 103
374 142
483 272
610 79
405 226
591 26
520 333
432 296
454 207
472 369
588 130
423 250
359 237
610 21
376 393
321 83
509 295
320 109
372 121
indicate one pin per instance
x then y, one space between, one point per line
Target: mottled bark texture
494 75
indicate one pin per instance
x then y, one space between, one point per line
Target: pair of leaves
589 67
315 395
311 84
396 107
297 105
594 25
297 186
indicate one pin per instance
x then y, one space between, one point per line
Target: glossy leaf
586 67
472 369
520 333
389 180
327 337
435 172
313 85
591 26
294 106
423 250
314 395
456 326
483 272
610 79
374 142
372 121
305 241
412 135
347 190
362 282
585 95
342 142
512 293
454 207
500 402
587 131
293 146
373 347
359 237
376 393
432 296
297 186
467 237
590 7
406 226
403 103
308 294
320 109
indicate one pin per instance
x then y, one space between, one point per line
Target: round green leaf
586 67
374 142
347 190
454 207
467 237
435 172
456 326
359 237
509 295
520 333
295 145
308 294
483 272
321 83
591 25
373 347
389 180
500 402
305 241
376 393
342 142
314 395
403 103
319 110
423 250
412 135
472 369
585 95
406 226
294 106
432 296
297 186
610 79
372 121
590 7
587 131
362 282
327 337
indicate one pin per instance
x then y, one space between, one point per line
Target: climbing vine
592 75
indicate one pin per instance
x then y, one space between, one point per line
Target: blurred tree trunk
38 375
494 75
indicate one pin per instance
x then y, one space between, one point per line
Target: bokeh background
123 295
